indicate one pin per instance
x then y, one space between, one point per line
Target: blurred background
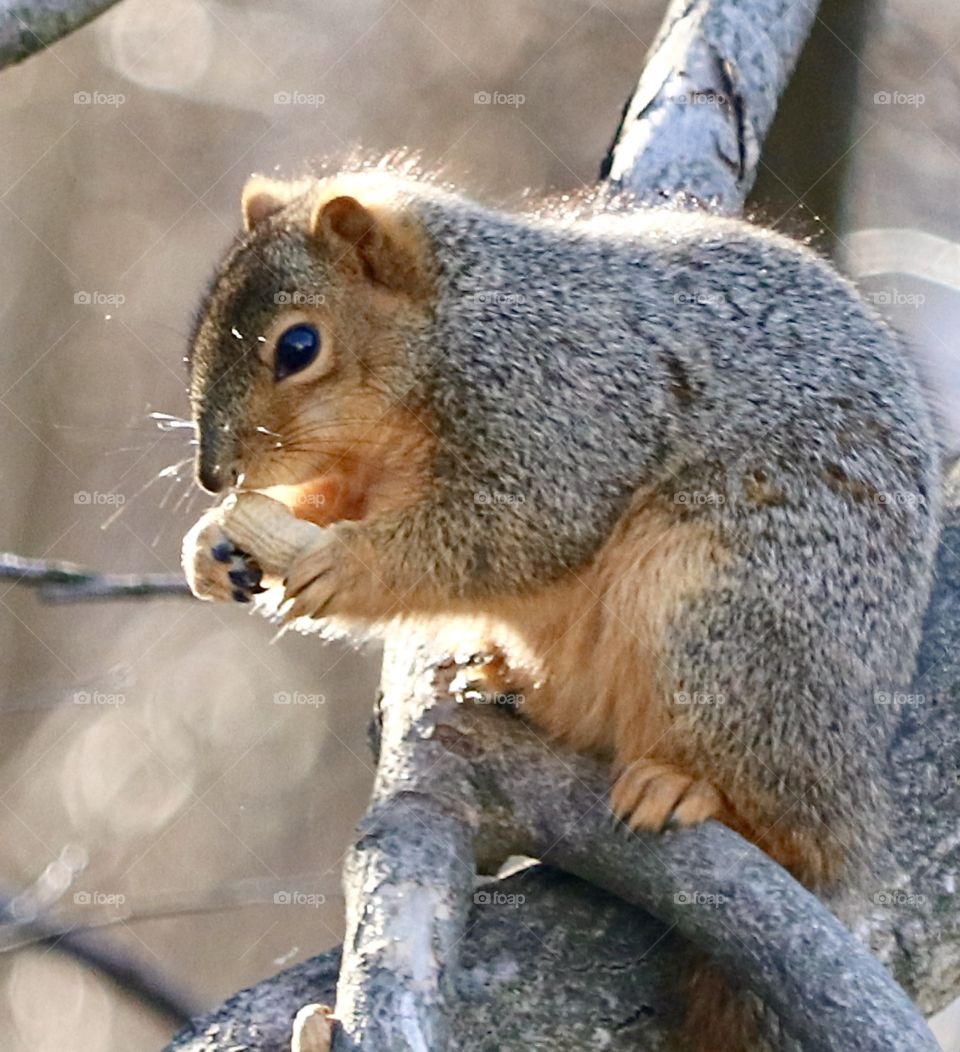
167 769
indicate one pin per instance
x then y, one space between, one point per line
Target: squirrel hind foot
654 796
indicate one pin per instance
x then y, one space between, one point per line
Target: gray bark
29 26
692 131
408 881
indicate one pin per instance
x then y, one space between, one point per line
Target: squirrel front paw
329 577
656 796
215 568
232 547
249 538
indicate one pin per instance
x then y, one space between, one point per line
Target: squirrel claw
486 677
657 796
223 552
328 578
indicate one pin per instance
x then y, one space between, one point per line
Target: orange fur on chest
594 643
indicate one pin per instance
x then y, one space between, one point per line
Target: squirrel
684 479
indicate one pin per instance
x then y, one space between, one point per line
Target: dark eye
297 347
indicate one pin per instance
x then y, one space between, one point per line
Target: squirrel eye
296 348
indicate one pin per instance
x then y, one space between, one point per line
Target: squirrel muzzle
218 466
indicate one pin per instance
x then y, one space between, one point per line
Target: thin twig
17 932
129 973
62 582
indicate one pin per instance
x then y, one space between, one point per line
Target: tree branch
60 582
480 770
127 971
408 881
693 130
32 25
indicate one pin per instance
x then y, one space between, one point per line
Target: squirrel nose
214 475
217 461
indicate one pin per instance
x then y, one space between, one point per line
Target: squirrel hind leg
654 796
818 859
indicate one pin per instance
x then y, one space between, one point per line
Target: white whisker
169 422
171 471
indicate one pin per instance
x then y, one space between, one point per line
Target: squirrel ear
262 197
345 220
384 248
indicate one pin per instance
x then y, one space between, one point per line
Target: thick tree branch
721 893
693 130
525 963
408 880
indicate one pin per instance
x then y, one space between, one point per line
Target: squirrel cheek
323 501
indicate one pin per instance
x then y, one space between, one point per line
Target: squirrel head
297 352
